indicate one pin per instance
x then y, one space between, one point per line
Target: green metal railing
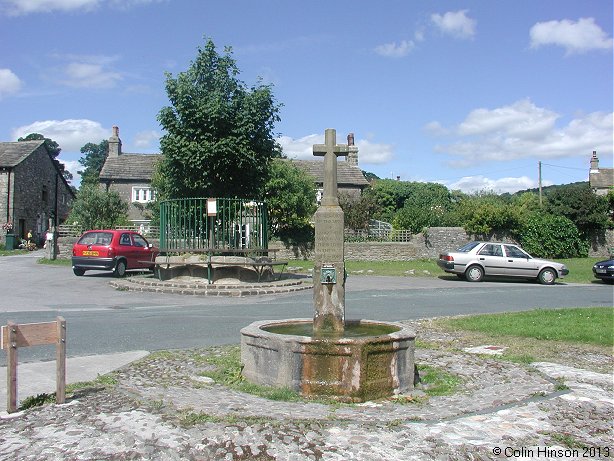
193 224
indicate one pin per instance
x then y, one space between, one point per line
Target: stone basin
355 367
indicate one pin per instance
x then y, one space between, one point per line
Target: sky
471 94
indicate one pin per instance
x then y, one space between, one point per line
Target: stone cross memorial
329 267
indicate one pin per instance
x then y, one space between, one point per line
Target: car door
127 250
519 263
143 252
491 257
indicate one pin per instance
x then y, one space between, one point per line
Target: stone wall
422 246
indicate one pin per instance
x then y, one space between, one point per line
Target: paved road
101 320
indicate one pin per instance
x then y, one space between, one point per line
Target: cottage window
142 194
45 195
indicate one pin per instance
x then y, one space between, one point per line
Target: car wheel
608 281
547 276
120 268
474 274
78 272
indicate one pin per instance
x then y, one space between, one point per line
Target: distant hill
547 189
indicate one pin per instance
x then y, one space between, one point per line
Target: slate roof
347 175
139 167
136 167
602 179
13 153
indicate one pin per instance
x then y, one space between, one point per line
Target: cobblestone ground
163 409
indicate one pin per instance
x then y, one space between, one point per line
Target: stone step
198 289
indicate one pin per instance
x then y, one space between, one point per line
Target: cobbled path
163 409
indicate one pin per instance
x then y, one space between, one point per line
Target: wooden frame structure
34 334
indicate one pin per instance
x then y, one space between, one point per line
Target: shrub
550 236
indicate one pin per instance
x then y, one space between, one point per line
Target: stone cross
330 151
329 294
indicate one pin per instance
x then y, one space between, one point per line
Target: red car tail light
446 257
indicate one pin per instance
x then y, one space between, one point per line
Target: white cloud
73 166
374 153
523 130
456 24
576 37
469 184
24 7
147 139
394 50
9 83
89 75
71 135
368 152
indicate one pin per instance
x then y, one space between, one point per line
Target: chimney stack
594 163
352 156
115 144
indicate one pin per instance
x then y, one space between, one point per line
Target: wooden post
11 369
60 358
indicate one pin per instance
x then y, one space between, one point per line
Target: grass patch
580 269
590 325
13 252
437 382
45 398
227 372
55 262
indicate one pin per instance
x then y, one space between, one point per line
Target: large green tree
98 209
219 133
426 206
588 211
54 150
290 197
93 161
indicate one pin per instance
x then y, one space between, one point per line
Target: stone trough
375 362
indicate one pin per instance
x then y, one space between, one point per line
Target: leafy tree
98 209
389 196
54 150
290 197
358 211
548 236
219 134
587 210
486 213
425 207
93 161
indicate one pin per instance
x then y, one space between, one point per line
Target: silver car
477 260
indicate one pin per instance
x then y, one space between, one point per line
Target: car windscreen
468 247
96 238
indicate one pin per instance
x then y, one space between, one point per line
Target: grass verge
55 262
580 269
587 325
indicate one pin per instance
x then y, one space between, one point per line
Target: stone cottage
130 175
601 180
32 189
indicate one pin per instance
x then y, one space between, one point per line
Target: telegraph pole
539 175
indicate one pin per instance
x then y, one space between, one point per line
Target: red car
112 250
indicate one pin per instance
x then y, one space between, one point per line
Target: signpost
34 334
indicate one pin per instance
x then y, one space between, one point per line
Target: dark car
604 270
112 250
